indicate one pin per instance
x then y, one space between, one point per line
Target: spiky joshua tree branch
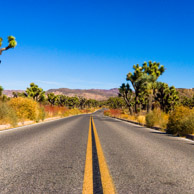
12 43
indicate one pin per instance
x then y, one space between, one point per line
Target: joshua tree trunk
131 110
136 104
149 105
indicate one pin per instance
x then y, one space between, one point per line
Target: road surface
51 158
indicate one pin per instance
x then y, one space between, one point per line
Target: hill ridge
97 94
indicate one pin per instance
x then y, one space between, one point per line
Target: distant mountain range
183 92
98 94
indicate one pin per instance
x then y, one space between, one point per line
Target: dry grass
180 121
123 114
141 119
24 110
157 118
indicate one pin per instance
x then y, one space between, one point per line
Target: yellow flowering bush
157 118
181 121
25 108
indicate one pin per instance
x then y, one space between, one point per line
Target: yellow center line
107 182
106 179
88 174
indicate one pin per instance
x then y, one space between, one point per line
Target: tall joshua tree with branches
134 77
144 79
153 70
126 92
35 92
167 96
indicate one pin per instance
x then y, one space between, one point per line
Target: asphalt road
50 157
143 160
45 158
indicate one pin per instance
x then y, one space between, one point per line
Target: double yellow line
107 183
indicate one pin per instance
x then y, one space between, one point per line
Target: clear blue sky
94 44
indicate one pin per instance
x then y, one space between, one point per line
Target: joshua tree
1 90
82 102
116 102
73 102
173 98
134 77
35 92
126 92
166 96
189 102
161 94
18 94
153 68
145 75
51 98
61 100
91 103
12 43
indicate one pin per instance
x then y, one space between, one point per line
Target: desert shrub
141 119
164 121
115 112
106 112
124 116
188 125
112 112
181 121
53 111
157 118
25 108
74 111
150 119
132 118
66 114
119 114
7 115
41 114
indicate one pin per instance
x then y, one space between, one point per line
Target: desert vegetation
35 105
144 100
149 102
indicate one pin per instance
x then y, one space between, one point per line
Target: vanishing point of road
94 154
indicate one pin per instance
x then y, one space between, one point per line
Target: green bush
181 121
157 118
7 115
